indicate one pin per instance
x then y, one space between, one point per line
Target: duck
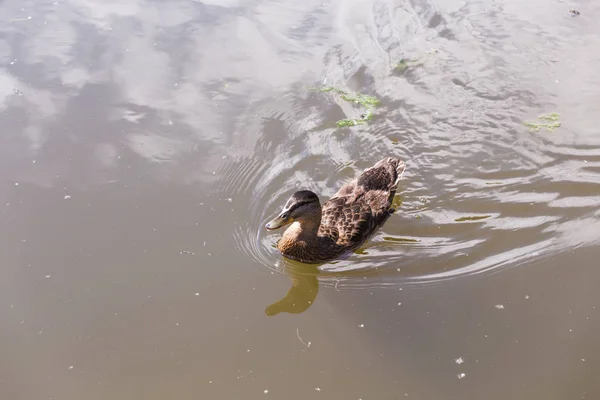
321 233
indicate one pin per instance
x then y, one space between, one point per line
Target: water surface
144 144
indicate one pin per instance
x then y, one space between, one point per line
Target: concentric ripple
481 192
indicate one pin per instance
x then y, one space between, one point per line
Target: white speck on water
209 381
230 200
266 391
527 297
71 367
197 294
48 276
317 389
461 375
583 359
361 326
499 306
16 183
459 360
67 197
399 304
170 122
13 61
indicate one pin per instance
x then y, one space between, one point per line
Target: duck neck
303 231
308 225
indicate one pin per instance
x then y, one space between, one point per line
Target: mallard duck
322 233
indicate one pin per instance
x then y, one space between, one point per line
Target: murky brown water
144 144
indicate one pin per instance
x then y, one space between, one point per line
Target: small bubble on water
459 360
266 391
461 375
67 197
317 389
527 297
361 326
71 367
499 306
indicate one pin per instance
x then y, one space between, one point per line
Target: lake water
144 144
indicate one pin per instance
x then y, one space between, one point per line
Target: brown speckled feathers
362 205
343 223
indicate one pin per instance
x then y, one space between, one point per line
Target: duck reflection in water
302 294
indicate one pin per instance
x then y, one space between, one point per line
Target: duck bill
277 223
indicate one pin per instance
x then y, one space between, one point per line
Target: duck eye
285 215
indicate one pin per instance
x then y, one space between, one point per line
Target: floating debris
499 306
459 360
549 121
473 218
349 122
364 100
574 12
299 338
401 240
67 197
404 64
461 375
